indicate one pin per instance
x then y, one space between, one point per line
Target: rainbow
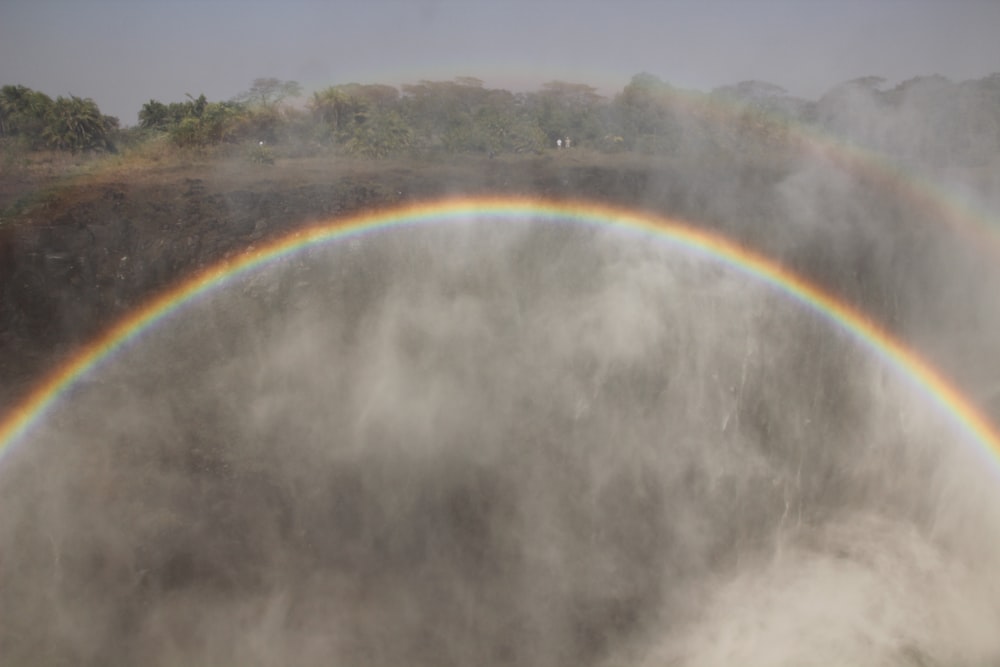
962 215
33 409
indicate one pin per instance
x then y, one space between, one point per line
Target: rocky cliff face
79 254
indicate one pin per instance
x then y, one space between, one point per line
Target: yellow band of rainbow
32 410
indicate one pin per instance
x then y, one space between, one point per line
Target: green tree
380 136
441 112
499 122
346 107
269 92
76 124
209 123
24 112
155 116
198 122
647 115
572 110
331 107
752 117
376 96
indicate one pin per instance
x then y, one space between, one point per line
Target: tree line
65 123
926 117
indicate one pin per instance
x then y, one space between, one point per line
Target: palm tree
23 111
338 109
76 124
154 116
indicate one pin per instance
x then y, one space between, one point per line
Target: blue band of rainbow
33 409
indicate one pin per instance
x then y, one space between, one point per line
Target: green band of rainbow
33 409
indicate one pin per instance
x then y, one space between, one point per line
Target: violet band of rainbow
32 410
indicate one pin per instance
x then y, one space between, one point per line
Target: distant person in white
558 143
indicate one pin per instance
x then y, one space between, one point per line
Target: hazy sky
124 52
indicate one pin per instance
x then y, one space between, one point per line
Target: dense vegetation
930 118
66 123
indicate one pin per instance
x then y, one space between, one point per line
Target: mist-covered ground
520 443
